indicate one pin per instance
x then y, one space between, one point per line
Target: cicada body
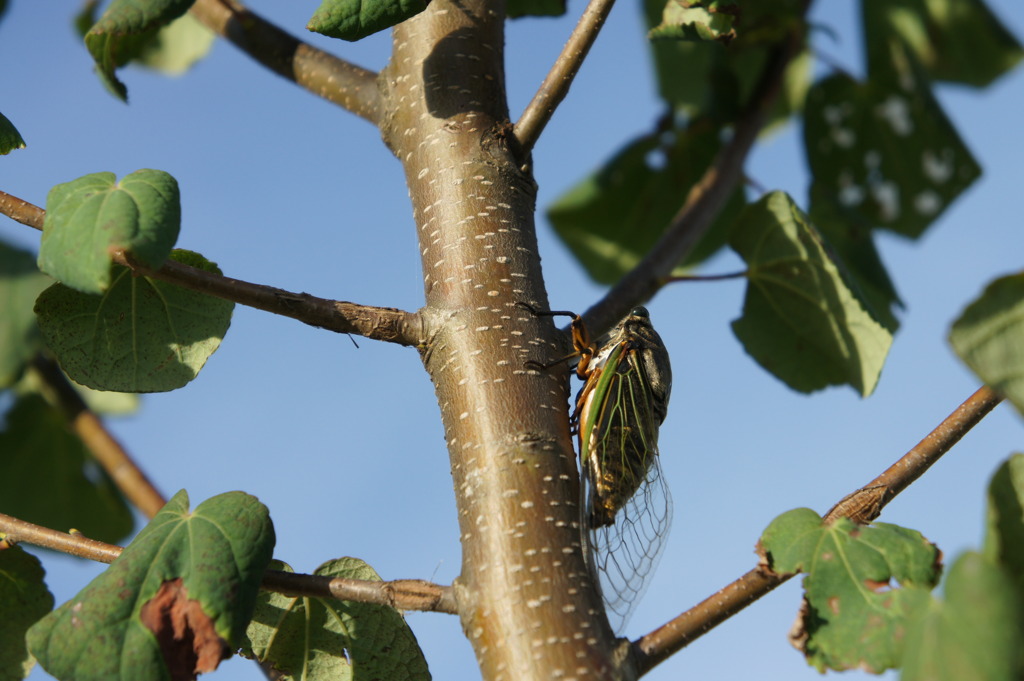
627 506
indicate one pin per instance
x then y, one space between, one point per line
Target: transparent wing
625 554
629 508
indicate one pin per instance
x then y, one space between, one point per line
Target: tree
368 444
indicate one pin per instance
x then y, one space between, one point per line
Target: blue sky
345 445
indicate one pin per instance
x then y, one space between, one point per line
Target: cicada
626 505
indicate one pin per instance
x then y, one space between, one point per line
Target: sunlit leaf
356 19
142 335
861 584
989 336
89 217
325 639
801 320
713 20
177 46
59 484
884 148
197 571
24 599
959 41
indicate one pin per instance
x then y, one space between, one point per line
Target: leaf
314 638
177 46
355 19
89 217
10 138
59 484
20 283
535 8
861 582
612 218
958 41
123 31
24 599
1004 537
975 633
884 149
142 335
698 21
801 320
989 337
197 571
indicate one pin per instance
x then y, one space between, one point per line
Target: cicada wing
625 554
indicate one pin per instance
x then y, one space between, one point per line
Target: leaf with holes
173 604
142 335
125 29
801 320
24 599
59 484
314 638
861 584
989 336
612 218
884 148
356 19
20 284
89 217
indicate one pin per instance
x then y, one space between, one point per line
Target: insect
627 508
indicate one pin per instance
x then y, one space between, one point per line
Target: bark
525 597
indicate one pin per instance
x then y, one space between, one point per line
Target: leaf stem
404 594
705 277
351 87
863 505
377 323
107 451
556 84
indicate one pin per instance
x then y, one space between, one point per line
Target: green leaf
801 320
89 217
885 150
612 218
10 138
535 8
198 571
975 633
59 484
853 242
989 337
177 46
861 583
356 19
958 41
142 335
20 283
314 638
699 21
1004 537
124 30
24 599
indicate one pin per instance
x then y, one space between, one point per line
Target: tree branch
704 200
863 505
377 323
351 87
404 594
556 84
107 451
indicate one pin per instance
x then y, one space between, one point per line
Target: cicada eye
640 311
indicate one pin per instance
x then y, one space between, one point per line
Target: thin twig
378 323
862 505
556 84
704 200
351 87
404 594
705 277
107 451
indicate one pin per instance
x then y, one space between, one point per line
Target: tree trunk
527 602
